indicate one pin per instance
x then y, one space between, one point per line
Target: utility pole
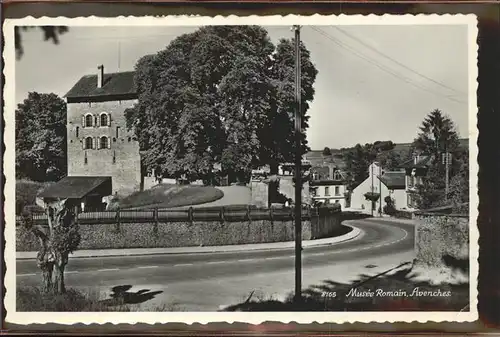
298 171
380 191
373 189
119 54
446 161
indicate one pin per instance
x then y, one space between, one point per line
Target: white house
328 185
380 184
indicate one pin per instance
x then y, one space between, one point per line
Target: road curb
354 233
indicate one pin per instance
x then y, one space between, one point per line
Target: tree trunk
47 278
61 261
59 287
46 265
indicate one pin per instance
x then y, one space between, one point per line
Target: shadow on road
121 295
394 290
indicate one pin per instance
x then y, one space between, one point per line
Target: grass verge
169 196
30 299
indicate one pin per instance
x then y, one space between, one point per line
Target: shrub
389 208
26 192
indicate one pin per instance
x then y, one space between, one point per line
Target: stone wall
441 240
184 234
121 160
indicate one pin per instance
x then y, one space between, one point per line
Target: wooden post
248 213
190 214
155 226
271 215
117 219
222 217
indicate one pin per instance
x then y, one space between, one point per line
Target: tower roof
116 86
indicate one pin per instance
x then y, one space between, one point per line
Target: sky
374 82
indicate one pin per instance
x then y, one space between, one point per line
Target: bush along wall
185 234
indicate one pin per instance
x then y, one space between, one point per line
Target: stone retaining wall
185 234
441 239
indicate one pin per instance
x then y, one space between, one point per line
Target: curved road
208 281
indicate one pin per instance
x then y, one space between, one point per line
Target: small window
117 131
129 139
89 121
327 190
114 157
88 144
114 140
77 131
104 119
103 142
337 190
86 161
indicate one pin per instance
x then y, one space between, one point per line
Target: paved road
206 281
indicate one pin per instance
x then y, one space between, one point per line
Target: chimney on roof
100 76
330 172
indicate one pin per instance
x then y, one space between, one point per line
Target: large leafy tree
223 94
40 135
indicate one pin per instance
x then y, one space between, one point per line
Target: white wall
400 199
332 196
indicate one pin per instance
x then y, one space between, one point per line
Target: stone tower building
99 143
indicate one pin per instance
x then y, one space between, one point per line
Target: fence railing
220 214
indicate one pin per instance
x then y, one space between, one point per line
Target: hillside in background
317 158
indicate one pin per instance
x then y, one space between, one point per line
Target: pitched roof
423 161
394 180
74 187
115 86
326 182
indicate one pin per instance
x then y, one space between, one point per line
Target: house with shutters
328 185
99 144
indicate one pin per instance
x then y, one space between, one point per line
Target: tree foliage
359 158
327 151
50 33
221 95
40 136
458 192
437 134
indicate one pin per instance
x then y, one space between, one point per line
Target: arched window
103 142
89 121
88 143
104 119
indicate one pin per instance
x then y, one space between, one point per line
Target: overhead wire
380 66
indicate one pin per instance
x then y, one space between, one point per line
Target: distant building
380 184
415 171
84 193
328 185
99 143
